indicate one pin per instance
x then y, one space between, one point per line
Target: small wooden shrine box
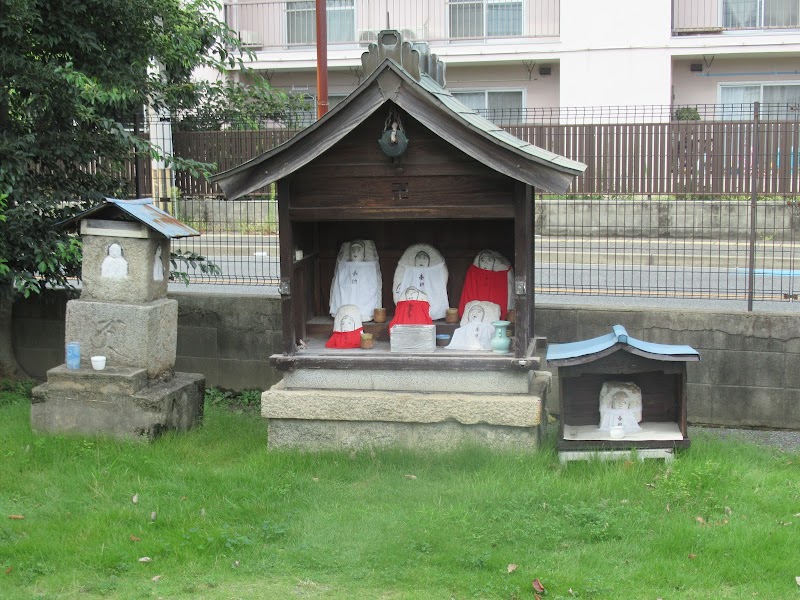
659 370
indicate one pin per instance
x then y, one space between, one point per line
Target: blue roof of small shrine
143 210
618 339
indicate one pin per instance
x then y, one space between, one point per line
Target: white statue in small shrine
158 265
357 278
347 328
620 405
422 267
476 330
114 266
490 278
413 308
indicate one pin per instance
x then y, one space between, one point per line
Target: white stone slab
667 454
650 432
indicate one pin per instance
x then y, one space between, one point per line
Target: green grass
235 521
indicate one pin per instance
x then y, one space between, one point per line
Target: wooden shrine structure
462 185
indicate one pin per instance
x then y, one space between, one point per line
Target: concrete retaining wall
690 219
748 375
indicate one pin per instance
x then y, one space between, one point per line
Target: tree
72 75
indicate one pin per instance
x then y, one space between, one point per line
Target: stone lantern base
117 401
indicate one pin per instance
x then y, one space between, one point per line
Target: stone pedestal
118 401
128 335
312 409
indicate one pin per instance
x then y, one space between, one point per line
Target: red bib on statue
345 339
412 312
485 285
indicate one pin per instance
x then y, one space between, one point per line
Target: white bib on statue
357 279
422 266
476 331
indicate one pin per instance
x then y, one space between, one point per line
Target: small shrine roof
142 210
585 351
423 96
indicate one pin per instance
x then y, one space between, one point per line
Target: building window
782 100
501 107
301 25
754 14
485 18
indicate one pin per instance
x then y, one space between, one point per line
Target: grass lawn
220 517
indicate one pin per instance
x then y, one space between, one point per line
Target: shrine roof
424 99
585 351
142 210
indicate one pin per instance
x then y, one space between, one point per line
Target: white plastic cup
98 363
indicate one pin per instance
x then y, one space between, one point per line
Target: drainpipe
322 58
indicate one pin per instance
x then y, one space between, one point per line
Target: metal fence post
137 167
754 150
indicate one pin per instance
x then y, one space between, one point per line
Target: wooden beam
403 362
287 267
523 267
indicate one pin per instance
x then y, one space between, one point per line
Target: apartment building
515 54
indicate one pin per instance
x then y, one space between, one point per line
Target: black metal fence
684 202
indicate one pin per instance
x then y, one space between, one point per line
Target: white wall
614 52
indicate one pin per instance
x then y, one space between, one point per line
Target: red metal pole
322 58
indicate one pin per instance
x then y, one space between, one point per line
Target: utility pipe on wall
322 58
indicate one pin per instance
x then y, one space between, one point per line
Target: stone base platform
118 401
319 418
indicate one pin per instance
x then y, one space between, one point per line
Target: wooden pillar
523 266
287 267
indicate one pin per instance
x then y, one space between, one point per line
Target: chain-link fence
691 201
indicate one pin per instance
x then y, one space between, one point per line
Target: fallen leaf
236 564
135 539
153 516
797 515
145 559
693 556
411 476
537 586
627 463
315 479
16 517
796 580
184 498
537 597
650 485
135 499
728 511
8 570
667 507
701 520
571 593
512 567
155 579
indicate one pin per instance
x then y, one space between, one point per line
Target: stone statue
413 308
490 278
114 266
476 330
158 265
347 328
620 404
357 279
422 267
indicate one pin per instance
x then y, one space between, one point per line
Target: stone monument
123 314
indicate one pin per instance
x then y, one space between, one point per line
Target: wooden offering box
659 370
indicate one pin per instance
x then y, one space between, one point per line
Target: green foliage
188 259
72 76
687 113
226 398
12 392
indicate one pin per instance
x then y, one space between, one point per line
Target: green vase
501 342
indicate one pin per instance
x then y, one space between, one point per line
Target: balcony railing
288 24
711 16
